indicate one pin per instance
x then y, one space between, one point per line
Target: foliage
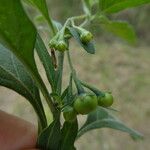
18 70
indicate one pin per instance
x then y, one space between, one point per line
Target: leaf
17 31
69 133
104 4
88 47
19 35
119 5
50 138
102 119
46 60
14 76
121 29
42 6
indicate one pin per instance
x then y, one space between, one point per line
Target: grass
118 68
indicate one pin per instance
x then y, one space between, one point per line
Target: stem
77 82
84 23
70 63
72 19
59 72
88 20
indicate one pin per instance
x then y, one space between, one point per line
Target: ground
118 68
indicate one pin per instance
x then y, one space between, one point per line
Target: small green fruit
85 103
106 100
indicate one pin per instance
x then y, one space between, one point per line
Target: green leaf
119 5
104 4
69 133
102 119
14 76
19 35
50 138
121 29
17 31
46 60
88 47
42 6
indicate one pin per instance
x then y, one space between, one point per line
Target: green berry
106 100
85 103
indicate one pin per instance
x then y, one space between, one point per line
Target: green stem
60 72
79 17
72 19
84 23
77 82
87 21
70 63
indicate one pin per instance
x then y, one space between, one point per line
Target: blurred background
116 67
